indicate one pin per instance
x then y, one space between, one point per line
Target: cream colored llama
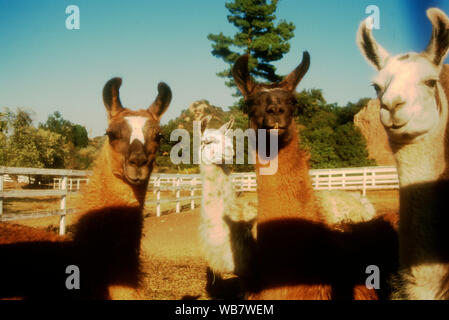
345 207
414 111
225 227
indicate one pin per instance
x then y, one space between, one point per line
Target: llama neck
106 190
288 192
217 189
423 176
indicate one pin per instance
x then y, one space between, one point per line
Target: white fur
137 124
225 227
416 130
418 112
343 206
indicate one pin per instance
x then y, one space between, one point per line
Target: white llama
414 111
225 227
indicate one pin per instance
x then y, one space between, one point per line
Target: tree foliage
23 145
258 34
56 144
328 132
74 133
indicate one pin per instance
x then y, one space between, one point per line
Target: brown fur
320 261
300 256
106 242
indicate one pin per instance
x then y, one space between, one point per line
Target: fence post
178 204
63 206
158 196
364 182
78 184
192 194
343 180
1 195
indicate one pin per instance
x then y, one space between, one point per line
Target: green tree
27 146
4 124
328 132
74 133
80 137
258 35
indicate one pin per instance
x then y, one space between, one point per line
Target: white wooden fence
6 172
368 178
243 182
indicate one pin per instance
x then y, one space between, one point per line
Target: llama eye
430 83
112 135
377 88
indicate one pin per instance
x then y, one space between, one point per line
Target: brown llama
106 243
299 255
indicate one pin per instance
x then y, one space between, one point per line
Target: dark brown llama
299 255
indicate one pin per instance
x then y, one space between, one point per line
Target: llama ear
438 46
292 80
242 78
162 101
111 97
370 49
224 129
205 122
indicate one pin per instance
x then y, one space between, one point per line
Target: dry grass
171 252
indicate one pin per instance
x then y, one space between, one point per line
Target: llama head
216 144
407 85
133 136
270 106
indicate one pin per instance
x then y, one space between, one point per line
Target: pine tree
258 36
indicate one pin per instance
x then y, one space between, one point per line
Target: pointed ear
162 101
292 80
205 122
438 46
111 97
228 125
242 78
370 49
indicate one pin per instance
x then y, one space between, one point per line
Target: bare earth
171 254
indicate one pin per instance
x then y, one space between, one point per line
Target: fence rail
7 172
64 181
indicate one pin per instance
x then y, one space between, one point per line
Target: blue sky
45 67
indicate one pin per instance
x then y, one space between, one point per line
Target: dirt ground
171 254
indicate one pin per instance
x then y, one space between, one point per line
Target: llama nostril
398 105
275 110
138 161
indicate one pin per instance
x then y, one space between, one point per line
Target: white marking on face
137 124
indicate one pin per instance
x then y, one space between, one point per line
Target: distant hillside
368 121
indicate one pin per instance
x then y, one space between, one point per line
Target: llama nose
275 109
392 104
137 155
137 160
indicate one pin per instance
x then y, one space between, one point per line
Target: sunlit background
45 67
